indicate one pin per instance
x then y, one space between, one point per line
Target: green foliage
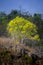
3 23
13 14
21 28
39 22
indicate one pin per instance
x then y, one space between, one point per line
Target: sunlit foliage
22 28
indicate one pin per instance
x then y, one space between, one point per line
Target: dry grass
10 43
14 49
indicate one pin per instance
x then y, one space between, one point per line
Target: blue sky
33 6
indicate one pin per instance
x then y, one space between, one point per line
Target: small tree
21 28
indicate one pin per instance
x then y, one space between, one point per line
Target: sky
33 6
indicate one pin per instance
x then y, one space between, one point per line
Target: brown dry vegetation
11 53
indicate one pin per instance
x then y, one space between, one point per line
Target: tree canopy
22 28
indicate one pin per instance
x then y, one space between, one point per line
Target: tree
21 28
13 14
38 21
3 23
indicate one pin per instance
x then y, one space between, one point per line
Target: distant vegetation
36 19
